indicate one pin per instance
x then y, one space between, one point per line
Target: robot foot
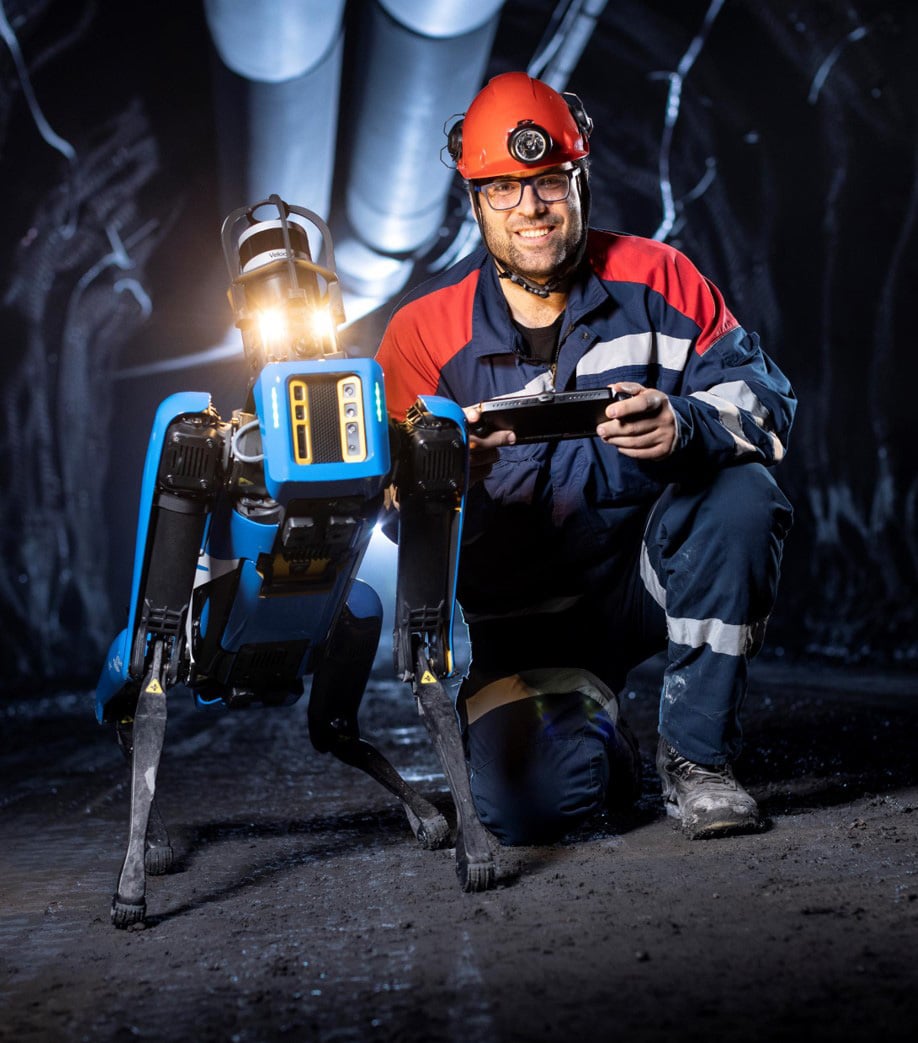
475 873
432 832
126 914
429 827
158 859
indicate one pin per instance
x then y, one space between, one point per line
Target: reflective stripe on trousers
711 560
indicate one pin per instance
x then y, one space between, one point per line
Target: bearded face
535 239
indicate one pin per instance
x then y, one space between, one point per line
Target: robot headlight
286 305
291 331
529 143
323 325
273 328
282 294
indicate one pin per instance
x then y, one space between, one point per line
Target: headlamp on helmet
529 143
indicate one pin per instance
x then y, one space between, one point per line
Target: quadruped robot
251 532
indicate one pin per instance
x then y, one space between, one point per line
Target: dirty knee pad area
540 766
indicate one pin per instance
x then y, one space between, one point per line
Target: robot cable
237 452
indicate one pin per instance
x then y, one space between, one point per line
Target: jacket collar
493 332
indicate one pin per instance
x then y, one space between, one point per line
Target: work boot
707 798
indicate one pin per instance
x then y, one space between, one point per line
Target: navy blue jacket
641 312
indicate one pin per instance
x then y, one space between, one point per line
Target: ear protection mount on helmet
453 140
581 118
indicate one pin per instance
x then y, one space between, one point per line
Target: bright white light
323 325
379 570
272 326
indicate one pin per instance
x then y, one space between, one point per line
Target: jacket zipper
553 368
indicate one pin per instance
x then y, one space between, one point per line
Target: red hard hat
517 123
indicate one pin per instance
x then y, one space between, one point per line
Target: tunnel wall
775 146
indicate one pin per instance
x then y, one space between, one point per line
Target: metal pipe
277 86
423 62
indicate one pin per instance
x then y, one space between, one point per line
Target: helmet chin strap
521 280
555 282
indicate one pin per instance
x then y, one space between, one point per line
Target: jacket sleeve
735 404
429 327
408 368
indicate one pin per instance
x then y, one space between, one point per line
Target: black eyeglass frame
569 173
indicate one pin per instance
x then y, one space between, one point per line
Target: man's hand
483 452
643 426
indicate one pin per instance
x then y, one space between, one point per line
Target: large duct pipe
277 85
423 62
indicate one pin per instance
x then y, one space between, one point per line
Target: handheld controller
548 416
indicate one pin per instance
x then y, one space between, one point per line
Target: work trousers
700 584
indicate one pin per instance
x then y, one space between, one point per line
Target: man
583 557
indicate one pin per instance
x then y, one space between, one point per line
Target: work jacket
641 311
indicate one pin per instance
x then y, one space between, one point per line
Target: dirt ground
301 908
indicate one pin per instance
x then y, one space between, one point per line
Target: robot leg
181 476
158 854
475 865
431 480
338 684
129 905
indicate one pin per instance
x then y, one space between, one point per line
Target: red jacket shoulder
425 332
666 270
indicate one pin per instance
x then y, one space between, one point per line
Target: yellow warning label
428 678
154 687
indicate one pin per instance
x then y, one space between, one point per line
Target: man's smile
534 233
